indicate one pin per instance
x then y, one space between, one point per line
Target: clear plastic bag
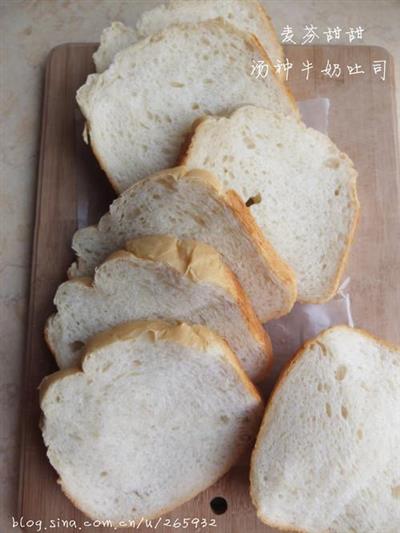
305 321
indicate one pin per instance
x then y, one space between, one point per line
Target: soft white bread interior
165 278
302 187
140 110
327 455
114 38
247 15
192 205
157 414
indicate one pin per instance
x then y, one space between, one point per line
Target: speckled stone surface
29 29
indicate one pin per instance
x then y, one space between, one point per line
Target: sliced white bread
140 110
247 15
159 277
192 205
156 415
301 186
114 38
327 455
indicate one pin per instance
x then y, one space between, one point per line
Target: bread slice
140 110
327 455
247 15
191 205
156 415
301 187
165 278
114 38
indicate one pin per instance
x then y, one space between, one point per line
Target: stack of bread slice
193 205
247 15
140 110
159 277
229 210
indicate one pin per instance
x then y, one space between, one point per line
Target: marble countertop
29 29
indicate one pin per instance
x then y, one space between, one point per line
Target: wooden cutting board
72 192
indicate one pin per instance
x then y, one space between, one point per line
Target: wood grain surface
72 192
